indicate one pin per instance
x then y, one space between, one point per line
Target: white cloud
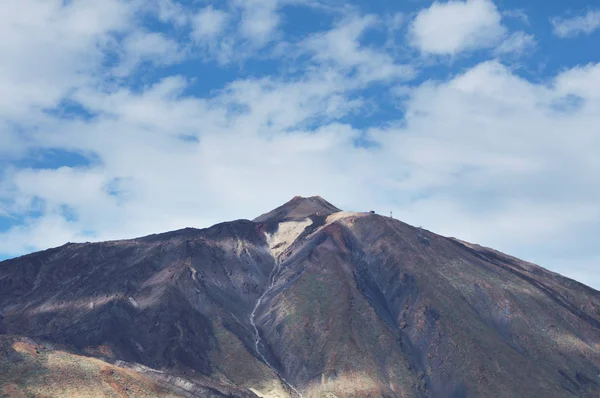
571 27
260 20
208 23
517 43
488 148
582 81
341 47
455 26
140 47
238 30
517 14
168 11
48 48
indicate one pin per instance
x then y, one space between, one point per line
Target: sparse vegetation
30 369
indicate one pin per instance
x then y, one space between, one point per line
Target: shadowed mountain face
307 300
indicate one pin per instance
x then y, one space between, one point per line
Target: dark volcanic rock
310 300
298 208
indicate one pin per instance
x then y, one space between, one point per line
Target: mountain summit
298 208
305 300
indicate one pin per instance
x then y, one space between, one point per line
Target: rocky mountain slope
307 300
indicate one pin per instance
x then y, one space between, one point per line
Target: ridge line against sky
475 119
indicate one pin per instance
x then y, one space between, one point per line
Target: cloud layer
166 116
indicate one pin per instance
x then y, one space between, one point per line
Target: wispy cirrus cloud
517 43
577 25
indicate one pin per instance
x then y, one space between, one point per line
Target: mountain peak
299 207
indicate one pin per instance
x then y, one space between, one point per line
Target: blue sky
475 119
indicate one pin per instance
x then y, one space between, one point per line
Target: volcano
303 301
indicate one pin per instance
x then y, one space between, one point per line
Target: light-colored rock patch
343 214
286 234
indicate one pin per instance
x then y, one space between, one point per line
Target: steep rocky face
171 302
309 300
